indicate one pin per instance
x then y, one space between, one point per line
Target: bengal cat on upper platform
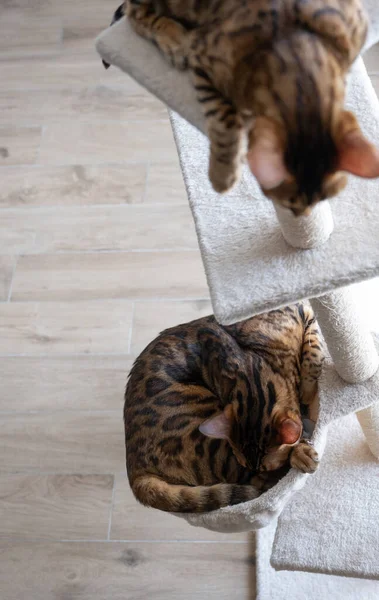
270 77
213 413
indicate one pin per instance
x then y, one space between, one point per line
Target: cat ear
265 155
289 432
219 426
358 156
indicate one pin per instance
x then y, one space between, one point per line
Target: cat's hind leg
304 457
312 358
169 35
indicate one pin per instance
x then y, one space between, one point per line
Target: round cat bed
337 399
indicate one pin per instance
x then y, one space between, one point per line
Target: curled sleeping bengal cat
270 77
213 414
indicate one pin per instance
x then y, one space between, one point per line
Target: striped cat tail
157 493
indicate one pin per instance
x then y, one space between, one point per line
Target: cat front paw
179 59
222 178
304 458
174 45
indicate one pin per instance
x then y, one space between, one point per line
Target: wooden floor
97 254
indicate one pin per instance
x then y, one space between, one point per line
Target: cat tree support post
350 345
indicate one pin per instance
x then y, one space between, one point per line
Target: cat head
297 172
303 142
283 432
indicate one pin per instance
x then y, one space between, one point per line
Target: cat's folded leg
169 35
304 458
312 358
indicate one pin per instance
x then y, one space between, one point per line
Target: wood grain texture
35 34
26 107
19 145
63 383
75 185
110 275
107 142
55 506
96 229
165 184
7 264
132 521
151 318
78 571
65 328
61 71
93 282
63 442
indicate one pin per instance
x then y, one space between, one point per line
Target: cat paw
175 46
304 458
222 179
178 59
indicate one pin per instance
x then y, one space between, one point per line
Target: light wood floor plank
97 228
55 506
34 34
78 571
165 184
132 275
147 323
62 71
7 264
102 102
65 328
132 521
19 145
63 383
63 442
79 147
41 186
107 142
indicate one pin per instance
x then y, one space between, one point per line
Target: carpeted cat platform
296 585
334 519
250 269
253 249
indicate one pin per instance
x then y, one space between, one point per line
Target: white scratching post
352 349
350 345
306 232
258 258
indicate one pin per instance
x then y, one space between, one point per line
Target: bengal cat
270 77
213 414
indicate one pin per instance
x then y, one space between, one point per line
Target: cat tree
259 258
